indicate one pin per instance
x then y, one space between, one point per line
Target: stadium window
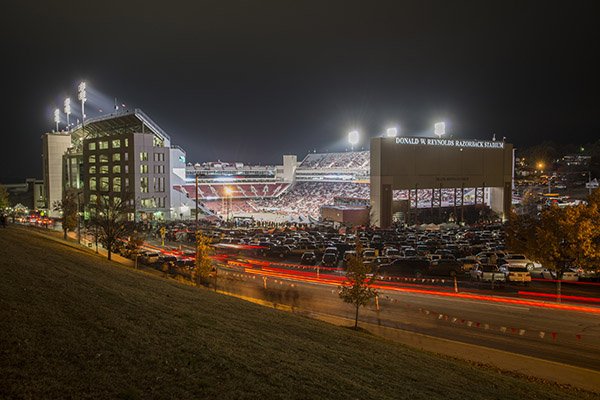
116 169
143 156
92 169
92 146
116 200
103 158
126 142
104 184
148 203
126 168
93 183
116 157
156 142
126 156
116 143
116 184
143 168
144 184
92 159
126 183
93 198
104 169
103 145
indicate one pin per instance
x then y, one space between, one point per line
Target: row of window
116 169
103 144
158 184
156 202
102 184
157 156
103 158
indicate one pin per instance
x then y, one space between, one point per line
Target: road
501 319
571 337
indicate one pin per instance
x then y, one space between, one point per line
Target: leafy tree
4 202
357 288
68 207
111 220
561 237
204 265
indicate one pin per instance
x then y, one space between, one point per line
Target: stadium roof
127 121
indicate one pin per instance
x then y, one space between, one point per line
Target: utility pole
196 199
78 218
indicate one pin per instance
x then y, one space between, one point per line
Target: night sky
251 80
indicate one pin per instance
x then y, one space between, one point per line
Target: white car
570 276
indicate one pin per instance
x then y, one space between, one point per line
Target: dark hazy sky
251 80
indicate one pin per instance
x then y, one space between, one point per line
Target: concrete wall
54 145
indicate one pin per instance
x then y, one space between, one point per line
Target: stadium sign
483 144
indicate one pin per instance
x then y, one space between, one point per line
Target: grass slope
76 326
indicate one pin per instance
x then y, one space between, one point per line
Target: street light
68 110
353 138
57 118
228 193
196 166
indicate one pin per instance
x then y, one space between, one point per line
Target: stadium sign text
450 142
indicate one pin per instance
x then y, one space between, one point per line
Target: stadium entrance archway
447 171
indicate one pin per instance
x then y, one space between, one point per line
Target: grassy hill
76 326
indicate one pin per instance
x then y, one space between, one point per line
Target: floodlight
68 109
391 132
82 95
57 117
353 137
439 129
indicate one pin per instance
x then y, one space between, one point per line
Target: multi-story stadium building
127 155
124 155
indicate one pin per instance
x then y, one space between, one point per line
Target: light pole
57 118
79 217
228 192
68 111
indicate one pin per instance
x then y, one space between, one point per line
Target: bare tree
357 287
110 217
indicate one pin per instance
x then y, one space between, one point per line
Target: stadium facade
124 155
127 155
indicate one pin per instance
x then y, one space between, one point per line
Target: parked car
150 257
329 260
308 258
445 267
413 266
518 274
570 276
487 273
541 273
468 262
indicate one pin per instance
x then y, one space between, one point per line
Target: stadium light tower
391 132
353 138
82 96
57 118
439 129
68 110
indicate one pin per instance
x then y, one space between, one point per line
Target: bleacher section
241 191
352 160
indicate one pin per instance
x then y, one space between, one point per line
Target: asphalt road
569 337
